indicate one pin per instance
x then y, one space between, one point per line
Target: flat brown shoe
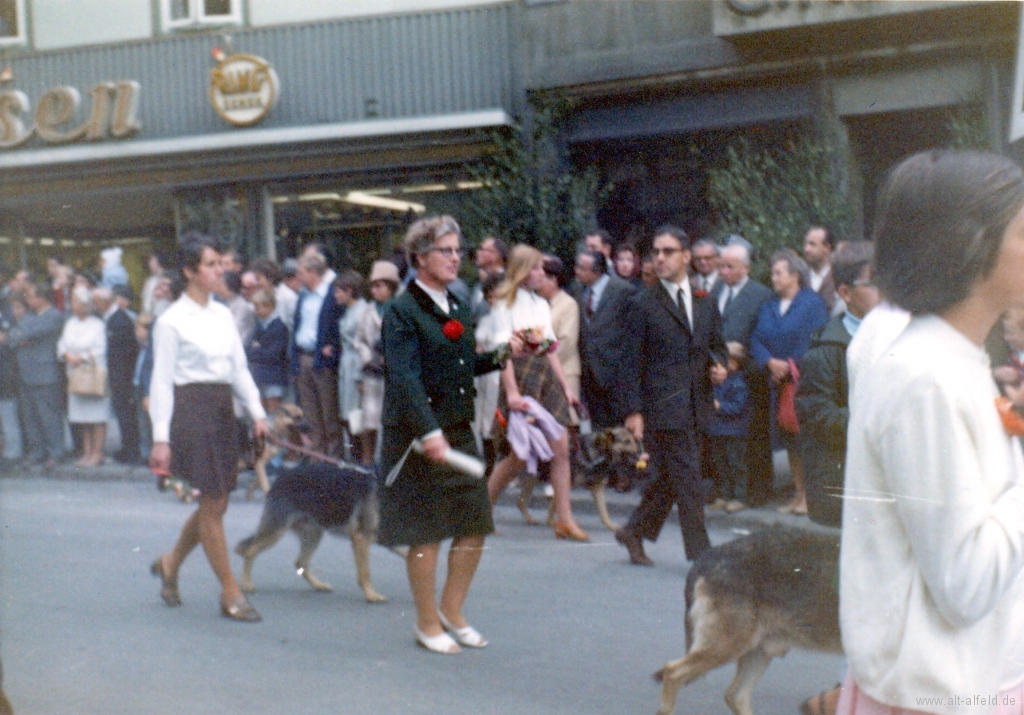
240 610
169 586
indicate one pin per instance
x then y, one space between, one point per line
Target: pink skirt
853 701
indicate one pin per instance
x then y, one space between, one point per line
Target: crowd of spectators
312 335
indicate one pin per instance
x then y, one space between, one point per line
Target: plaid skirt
535 379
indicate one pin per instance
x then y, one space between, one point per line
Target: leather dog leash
318 455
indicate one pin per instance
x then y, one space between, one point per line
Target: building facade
275 123
268 135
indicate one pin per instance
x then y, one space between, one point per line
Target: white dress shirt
440 297
723 297
309 316
706 282
818 277
195 343
287 300
673 290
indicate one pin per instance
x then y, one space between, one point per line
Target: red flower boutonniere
1013 421
453 329
700 294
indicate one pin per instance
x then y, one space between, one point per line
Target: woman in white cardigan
931 594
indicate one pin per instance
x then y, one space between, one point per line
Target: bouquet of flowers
535 343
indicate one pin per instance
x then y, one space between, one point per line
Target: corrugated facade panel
392 66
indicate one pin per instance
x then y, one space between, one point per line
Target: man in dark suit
739 300
603 304
122 354
673 337
314 353
705 266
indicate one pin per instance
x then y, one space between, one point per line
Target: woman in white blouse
198 364
539 376
932 555
84 341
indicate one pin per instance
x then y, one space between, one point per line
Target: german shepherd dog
310 499
751 600
286 424
617 450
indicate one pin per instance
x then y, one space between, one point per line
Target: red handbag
785 416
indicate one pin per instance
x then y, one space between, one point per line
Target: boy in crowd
729 431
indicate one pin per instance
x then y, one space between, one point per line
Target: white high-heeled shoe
467 635
441 643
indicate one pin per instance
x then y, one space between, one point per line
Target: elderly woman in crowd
540 376
931 594
783 334
84 343
348 292
383 284
430 359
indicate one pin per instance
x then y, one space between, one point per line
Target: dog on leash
751 600
310 499
617 450
286 424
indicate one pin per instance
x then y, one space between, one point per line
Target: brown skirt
535 379
204 438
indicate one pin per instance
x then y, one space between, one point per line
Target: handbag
785 415
88 379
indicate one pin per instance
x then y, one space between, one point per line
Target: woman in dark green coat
430 361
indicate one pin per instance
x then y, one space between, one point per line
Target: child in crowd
267 351
729 431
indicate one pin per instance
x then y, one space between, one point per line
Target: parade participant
931 594
198 363
537 374
430 360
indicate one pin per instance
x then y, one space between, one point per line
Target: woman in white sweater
537 374
84 341
931 594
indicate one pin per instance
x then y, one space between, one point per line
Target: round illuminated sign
243 88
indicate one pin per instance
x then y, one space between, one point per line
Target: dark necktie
590 303
728 300
682 307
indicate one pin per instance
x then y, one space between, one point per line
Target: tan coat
565 318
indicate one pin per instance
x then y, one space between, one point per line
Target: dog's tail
691 580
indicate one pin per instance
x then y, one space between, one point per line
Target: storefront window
188 13
12 21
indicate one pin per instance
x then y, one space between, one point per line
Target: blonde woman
537 374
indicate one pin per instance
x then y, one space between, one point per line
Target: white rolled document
459 461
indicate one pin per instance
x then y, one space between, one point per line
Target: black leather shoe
635 546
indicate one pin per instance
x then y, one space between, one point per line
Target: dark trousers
318 398
729 457
759 446
676 481
600 402
122 399
43 412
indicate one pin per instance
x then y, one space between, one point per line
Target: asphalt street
574 629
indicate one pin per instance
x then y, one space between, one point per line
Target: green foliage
968 127
530 194
771 193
